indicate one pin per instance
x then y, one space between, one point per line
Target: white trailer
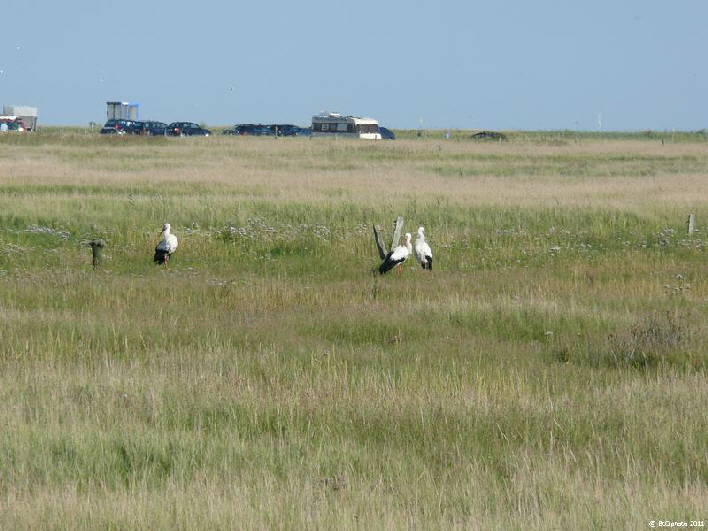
333 124
28 115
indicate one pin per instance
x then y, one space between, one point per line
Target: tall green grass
549 373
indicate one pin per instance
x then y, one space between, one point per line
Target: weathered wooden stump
97 246
690 224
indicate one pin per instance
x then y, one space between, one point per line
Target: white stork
166 247
422 250
397 256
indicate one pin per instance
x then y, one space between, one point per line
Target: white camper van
333 124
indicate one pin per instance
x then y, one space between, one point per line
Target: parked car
386 133
229 131
264 130
243 129
258 130
286 129
186 129
488 135
250 129
116 127
149 128
247 130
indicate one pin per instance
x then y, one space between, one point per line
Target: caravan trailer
336 125
21 114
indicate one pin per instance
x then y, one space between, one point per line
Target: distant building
122 110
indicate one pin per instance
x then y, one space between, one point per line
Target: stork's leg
399 270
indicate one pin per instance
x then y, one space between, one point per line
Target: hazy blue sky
517 64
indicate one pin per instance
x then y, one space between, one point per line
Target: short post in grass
97 246
397 228
690 224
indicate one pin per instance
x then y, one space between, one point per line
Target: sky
614 65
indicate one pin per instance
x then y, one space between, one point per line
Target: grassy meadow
549 373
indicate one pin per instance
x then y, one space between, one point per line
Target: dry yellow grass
312 170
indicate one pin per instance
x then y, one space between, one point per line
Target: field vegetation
549 373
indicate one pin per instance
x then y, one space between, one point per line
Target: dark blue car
149 128
186 129
386 134
116 127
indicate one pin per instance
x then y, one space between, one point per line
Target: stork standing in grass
422 250
166 247
397 256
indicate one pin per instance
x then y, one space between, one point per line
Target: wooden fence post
397 228
690 224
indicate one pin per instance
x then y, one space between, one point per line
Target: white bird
422 250
166 247
397 256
